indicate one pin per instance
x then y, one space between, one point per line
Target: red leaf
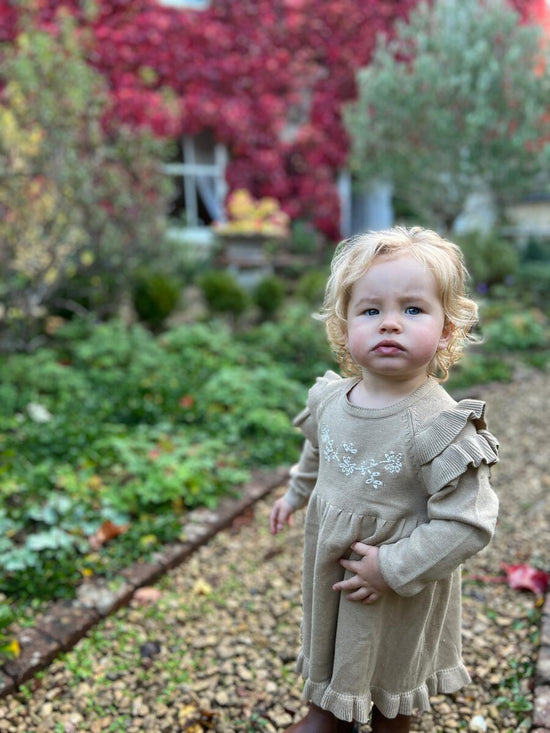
106 532
525 577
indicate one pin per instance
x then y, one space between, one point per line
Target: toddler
396 477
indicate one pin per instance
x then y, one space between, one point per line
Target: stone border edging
66 622
541 708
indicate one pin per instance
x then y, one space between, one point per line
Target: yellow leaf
202 588
147 540
13 649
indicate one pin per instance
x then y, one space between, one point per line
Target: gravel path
212 646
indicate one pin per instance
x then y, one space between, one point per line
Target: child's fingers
361 548
279 516
353 565
274 522
349 584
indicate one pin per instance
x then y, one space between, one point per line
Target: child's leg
381 724
318 720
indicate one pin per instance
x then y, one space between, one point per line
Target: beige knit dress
412 479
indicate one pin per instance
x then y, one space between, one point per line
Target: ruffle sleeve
307 419
455 452
456 439
303 476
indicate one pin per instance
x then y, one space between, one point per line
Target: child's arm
303 477
461 521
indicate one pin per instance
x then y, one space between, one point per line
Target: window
199 181
193 4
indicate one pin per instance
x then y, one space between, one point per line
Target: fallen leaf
147 594
525 577
519 577
202 588
108 531
192 718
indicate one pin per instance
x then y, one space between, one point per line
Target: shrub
479 369
297 343
86 199
311 287
490 258
519 331
269 295
223 294
533 283
155 296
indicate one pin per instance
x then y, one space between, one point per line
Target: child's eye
371 312
413 310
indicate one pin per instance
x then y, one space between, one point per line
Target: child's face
396 321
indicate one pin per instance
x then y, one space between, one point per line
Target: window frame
186 4
189 170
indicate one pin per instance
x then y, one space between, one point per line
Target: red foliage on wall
268 77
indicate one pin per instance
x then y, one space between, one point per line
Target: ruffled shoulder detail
324 387
456 439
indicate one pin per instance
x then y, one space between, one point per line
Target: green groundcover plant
116 425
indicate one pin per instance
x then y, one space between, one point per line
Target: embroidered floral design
346 463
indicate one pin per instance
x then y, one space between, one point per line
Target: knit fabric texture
412 479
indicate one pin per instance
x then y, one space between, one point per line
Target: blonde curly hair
355 255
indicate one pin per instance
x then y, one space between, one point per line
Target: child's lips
388 347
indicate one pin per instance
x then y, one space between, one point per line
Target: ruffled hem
352 707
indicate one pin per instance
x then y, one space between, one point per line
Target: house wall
529 219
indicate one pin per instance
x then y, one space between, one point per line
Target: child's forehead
402 270
402 260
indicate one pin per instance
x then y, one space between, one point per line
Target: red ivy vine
267 77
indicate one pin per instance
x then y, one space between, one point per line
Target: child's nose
390 322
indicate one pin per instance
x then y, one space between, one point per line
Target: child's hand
281 514
368 584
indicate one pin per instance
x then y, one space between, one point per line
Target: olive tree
455 103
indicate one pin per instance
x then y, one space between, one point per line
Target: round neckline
397 407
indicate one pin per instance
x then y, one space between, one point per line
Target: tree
457 102
267 77
77 196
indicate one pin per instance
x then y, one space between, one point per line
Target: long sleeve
461 521
455 454
303 476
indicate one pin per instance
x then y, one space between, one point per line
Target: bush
223 294
311 287
269 295
85 202
517 331
490 259
155 296
479 369
298 343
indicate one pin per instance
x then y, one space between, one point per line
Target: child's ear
446 335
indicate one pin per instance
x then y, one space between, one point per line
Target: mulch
211 644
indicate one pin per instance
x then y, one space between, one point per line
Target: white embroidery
390 463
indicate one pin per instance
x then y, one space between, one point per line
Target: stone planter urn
247 255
